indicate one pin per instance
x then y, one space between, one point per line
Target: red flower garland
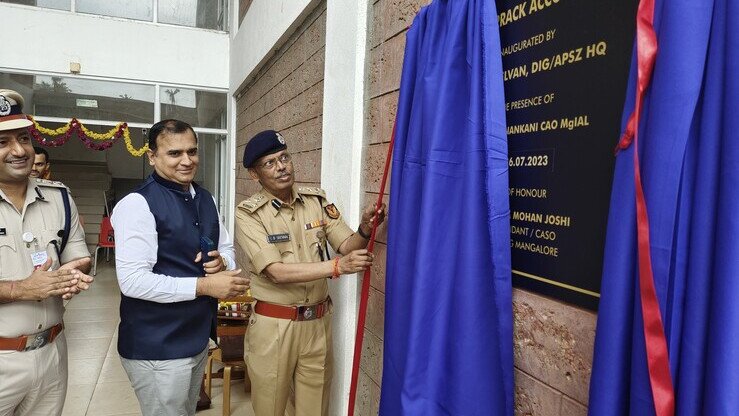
74 126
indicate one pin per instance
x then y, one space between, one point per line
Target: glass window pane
130 9
209 163
91 99
206 14
21 83
199 108
49 4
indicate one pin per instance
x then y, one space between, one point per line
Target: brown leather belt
294 313
33 341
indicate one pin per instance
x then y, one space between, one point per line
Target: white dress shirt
136 253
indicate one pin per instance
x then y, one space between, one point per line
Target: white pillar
341 163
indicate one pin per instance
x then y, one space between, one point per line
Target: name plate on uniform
278 238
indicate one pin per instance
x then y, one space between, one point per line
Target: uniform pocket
10 261
286 251
261 346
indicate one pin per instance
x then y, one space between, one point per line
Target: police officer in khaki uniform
33 232
285 230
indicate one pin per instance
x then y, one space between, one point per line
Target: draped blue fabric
448 314
689 150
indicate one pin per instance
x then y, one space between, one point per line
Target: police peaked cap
11 111
263 144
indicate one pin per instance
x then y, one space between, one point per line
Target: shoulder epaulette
307 190
253 203
51 184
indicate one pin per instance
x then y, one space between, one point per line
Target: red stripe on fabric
13 117
658 359
366 284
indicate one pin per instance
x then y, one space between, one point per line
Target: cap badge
280 138
4 106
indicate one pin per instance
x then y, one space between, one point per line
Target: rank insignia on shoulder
3 232
315 224
278 238
332 211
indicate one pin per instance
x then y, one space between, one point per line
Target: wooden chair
228 330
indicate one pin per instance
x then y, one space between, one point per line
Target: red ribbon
658 359
366 285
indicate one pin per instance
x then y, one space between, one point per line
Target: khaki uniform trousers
34 383
284 356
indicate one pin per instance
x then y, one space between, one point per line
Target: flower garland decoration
87 136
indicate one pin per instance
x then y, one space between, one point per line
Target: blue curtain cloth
448 313
689 150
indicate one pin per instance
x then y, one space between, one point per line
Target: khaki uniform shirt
43 216
272 232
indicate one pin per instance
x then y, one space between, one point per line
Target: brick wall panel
374 167
534 398
392 17
368 396
386 63
305 136
572 408
294 53
553 342
378 267
372 356
375 322
308 166
381 117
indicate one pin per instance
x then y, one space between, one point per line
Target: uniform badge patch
332 211
278 238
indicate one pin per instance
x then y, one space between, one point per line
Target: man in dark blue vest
169 290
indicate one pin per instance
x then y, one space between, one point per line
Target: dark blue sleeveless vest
165 331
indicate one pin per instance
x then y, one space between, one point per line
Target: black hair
165 127
42 151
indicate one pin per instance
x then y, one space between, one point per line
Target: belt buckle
307 312
39 340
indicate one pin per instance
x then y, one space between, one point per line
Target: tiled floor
98 385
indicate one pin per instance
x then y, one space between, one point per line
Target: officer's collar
33 193
276 203
37 193
174 185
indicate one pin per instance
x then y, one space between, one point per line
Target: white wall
48 40
341 158
266 26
